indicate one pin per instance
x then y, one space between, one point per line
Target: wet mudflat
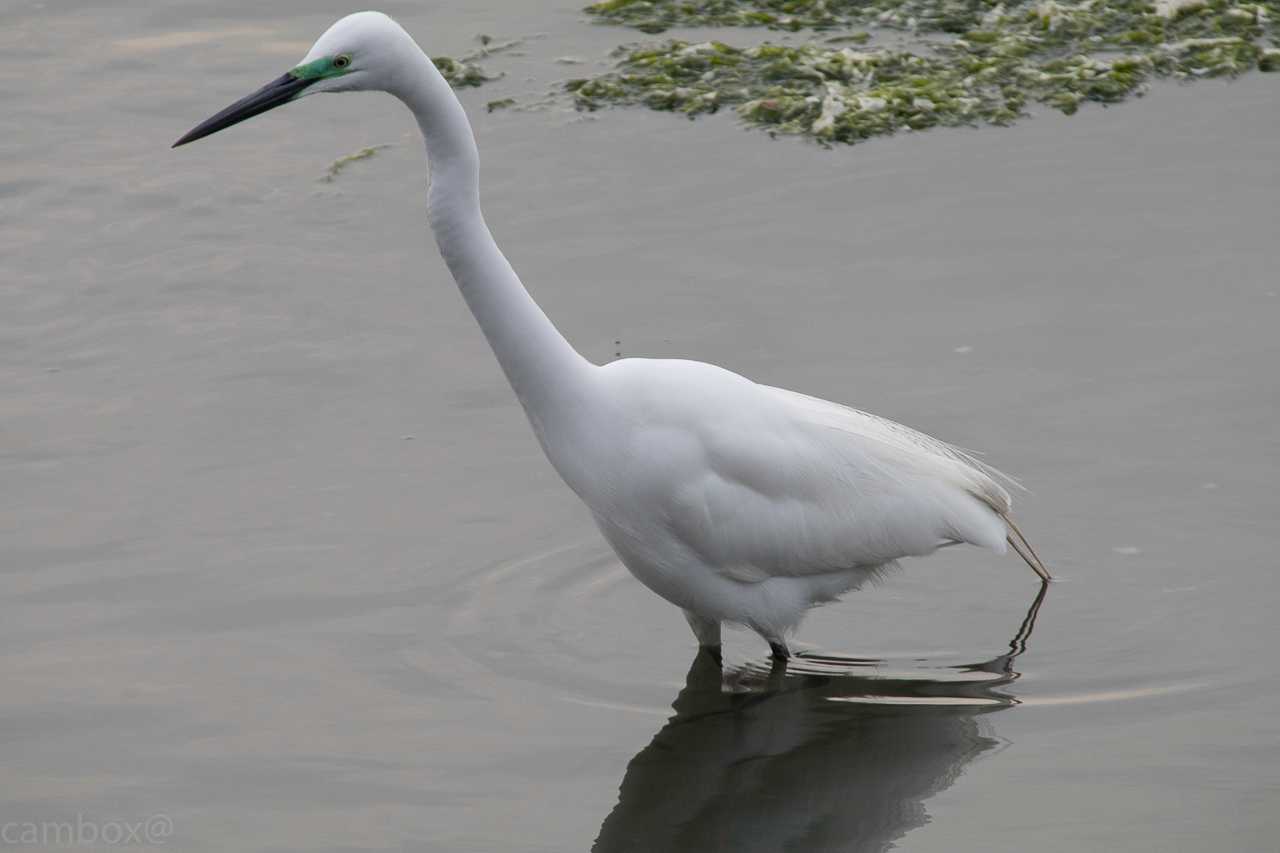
281 562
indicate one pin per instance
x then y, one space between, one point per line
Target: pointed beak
280 91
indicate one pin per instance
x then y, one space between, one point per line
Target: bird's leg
778 650
1025 551
777 674
707 631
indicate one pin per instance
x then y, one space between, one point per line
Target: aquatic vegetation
999 58
336 167
944 16
461 72
655 16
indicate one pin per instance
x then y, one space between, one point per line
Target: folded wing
803 486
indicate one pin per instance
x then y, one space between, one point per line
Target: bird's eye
341 61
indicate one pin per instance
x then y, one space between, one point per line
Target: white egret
735 501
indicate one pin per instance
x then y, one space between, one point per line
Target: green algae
336 167
997 59
461 73
836 94
942 16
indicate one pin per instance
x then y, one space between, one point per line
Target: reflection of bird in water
798 761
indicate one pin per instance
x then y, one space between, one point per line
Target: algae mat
964 64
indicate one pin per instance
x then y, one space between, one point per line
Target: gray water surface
281 562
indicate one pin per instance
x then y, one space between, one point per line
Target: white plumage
745 503
735 501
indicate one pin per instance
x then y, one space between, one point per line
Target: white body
734 501
744 503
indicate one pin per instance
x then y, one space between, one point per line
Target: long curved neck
541 366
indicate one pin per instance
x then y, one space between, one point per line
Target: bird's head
360 52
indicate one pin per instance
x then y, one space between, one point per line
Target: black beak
279 91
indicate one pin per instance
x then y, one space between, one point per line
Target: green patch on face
323 68
997 58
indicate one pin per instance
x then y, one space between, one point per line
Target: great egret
735 501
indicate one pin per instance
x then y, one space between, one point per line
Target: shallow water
281 562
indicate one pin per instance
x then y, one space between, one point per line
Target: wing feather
804 486
982 480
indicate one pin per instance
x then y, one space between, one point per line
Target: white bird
735 501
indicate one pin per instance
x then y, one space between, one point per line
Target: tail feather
1025 551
